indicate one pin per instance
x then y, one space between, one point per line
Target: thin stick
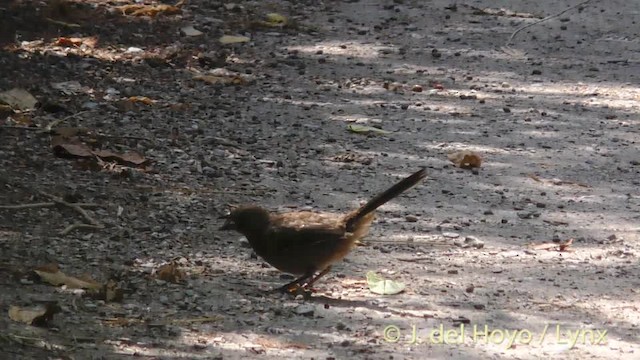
74 207
49 128
75 226
27 206
543 20
37 205
123 137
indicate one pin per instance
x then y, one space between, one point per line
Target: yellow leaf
379 285
38 315
231 39
363 129
59 278
276 19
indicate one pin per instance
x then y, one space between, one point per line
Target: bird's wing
287 239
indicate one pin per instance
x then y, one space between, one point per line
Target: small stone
416 88
305 310
525 215
452 271
470 289
411 218
451 235
478 306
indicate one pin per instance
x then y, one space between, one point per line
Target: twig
123 137
74 206
542 20
417 259
49 128
75 226
37 205
27 206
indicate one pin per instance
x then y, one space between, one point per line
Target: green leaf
381 286
363 129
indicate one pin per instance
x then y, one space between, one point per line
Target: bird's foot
294 290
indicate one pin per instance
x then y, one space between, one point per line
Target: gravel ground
553 112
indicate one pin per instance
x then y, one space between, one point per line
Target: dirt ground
553 112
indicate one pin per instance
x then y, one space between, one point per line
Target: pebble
305 310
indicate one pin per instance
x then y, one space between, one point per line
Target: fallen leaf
534 177
22 119
141 99
90 41
276 20
151 10
52 275
63 149
465 159
19 99
561 246
231 39
70 87
127 158
191 31
379 285
170 272
363 129
109 292
40 315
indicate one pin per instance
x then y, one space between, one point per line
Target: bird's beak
229 224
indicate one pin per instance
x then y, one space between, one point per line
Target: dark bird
304 243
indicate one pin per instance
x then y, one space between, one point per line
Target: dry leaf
127 158
67 145
231 39
70 87
109 292
561 247
222 76
52 275
37 315
63 149
170 272
465 159
91 41
534 177
363 129
69 132
22 119
151 10
191 31
19 99
141 99
274 20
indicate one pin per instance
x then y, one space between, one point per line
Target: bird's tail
385 196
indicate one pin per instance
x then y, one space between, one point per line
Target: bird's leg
316 278
289 287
